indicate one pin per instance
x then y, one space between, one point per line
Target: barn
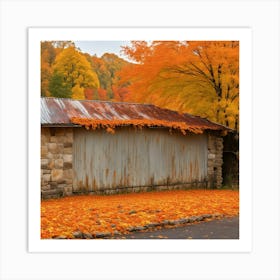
101 147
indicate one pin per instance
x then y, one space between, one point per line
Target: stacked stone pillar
56 162
215 161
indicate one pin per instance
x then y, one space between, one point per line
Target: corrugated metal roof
60 111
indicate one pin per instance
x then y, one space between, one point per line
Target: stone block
45 138
53 139
68 174
49 155
211 156
60 148
218 162
44 151
53 193
60 132
68 181
68 190
58 156
58 163
51 164
68 150
52 147
57 175
67 159
44 163
67 165
46 177
45 188
67 144
53 185
59 139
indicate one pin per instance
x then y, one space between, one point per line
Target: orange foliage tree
199 77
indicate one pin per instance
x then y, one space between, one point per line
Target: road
227 228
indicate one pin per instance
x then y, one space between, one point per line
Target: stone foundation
215 161
56 162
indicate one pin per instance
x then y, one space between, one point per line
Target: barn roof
69 112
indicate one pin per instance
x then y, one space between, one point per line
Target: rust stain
152 180
80 185
114 178
94 184
60 111
196 168
86 184
191 172
173 166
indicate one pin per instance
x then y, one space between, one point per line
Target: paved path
227 228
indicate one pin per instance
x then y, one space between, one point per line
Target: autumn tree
114 64
106 68
199 77
58 87
76 71
120 89
91 94
48 54
104 75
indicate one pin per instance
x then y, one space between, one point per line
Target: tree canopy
198 77
76 71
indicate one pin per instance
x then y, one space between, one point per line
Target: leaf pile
110 125
117 213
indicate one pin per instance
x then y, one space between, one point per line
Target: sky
98 48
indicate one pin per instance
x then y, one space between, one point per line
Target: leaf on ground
61 217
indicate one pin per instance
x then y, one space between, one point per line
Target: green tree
106 68
58 87
48 54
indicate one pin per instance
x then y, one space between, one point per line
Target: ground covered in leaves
97 216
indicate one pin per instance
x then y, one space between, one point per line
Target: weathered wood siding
133 158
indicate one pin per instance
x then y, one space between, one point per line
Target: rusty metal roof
60 111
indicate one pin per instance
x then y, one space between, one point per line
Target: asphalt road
227 228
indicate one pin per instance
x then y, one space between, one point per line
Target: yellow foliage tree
78 93
77 71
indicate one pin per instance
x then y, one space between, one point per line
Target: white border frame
262 16
36 35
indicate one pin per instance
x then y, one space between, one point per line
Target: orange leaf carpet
117 213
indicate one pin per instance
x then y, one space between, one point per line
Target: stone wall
215 161
56 162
